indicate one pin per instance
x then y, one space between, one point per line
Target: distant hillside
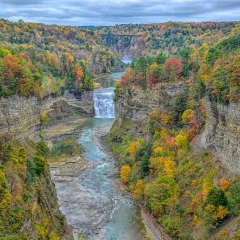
140 39
42 59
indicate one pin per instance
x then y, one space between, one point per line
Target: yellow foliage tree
181 140
165 117
187 114
220 213
206 187
132 149
124 173
139 189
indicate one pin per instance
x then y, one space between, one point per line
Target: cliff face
222 131
137 104
222 128
20 116
67 106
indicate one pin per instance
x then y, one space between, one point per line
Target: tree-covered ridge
189 192
49 59
170 37
215 67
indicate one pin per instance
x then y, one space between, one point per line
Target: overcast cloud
111 12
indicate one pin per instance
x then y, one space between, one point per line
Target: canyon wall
20 116
222 131
137 104
67 106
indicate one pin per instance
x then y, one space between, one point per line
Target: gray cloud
106 12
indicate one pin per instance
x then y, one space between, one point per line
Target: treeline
170 37
41 59
215 67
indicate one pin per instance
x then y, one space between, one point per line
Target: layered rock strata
20 117
222 131
137 104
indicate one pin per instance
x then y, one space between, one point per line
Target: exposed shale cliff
222 131
159 135
137 104
222 128
20 117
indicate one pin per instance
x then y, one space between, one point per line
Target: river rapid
92 201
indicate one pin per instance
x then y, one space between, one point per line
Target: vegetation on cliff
28 202
189 192
185 187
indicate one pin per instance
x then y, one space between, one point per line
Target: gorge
89 150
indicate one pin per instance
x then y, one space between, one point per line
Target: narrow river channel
93 202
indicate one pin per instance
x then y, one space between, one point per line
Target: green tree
219 85
216 197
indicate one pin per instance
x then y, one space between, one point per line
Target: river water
93 202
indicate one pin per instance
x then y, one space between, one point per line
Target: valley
119 132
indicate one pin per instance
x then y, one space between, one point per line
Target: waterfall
103 103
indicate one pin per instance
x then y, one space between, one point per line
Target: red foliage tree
173 66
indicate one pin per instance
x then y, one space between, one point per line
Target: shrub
40 163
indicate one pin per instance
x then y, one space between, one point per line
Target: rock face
20 116
66 106
137 104
222 131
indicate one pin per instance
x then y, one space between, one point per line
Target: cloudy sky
111 12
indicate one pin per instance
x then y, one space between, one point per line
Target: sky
111 12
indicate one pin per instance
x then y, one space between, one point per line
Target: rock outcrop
20 116
137 104
66 106
222 131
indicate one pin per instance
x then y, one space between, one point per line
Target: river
92 202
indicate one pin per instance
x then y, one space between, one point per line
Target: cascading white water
103 103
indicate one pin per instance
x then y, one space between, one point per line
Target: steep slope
222 131
171 178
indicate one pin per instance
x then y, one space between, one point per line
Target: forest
140 39
43 60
